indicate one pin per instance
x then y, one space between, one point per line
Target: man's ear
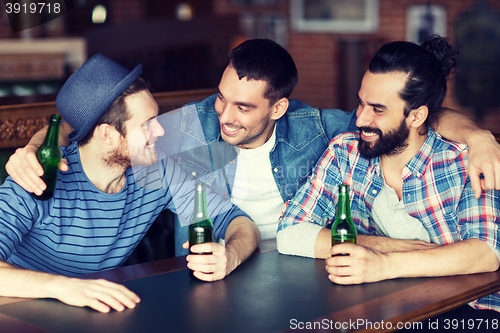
106 133
418 116
279 108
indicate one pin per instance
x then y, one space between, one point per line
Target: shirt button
374 191
232 162
409 197
193 174
226 194
275 169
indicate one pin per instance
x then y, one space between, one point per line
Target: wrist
478 136
233 260
378 243
52 285
391 268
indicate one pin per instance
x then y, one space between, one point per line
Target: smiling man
268 143
411 197
101 209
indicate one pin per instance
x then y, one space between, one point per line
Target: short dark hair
428 66
266 60
117 114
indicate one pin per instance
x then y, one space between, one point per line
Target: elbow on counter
298 240
282 244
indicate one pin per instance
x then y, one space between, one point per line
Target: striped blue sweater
82 230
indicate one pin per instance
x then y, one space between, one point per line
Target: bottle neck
52 137
200 206
343 209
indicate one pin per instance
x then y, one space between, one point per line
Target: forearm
323 244
64 130
452 259
100 294
457 127
386 244
242 238
18 282
382 244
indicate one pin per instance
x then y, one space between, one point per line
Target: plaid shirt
436 191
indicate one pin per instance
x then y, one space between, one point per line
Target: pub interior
183 47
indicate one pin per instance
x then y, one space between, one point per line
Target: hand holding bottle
23 165
201 229
207 267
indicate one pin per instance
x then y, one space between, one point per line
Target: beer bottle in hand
49 156
343 228
201 229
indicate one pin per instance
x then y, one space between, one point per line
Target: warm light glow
99 14
184 12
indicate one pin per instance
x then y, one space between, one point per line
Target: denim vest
192 138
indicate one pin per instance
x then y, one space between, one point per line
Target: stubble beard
122 158
250 138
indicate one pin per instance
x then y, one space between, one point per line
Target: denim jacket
192 138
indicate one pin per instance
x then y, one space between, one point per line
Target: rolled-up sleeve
314 203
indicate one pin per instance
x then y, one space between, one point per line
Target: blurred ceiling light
99 14
184 11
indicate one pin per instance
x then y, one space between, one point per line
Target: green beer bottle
343 228
49 156
201 229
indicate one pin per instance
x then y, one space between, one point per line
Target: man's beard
122 158
119 158
392 143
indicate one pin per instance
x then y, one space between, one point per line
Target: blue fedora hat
89 92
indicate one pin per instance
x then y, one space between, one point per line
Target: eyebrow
245 104
375 105
148 120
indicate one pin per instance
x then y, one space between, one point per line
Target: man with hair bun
411 197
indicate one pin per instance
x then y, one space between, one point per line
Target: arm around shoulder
23 165
484 156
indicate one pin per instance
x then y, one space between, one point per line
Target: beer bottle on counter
201 229
343 228
49 155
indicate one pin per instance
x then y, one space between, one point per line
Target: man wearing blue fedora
101 208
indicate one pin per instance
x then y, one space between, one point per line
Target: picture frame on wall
342 16
423 21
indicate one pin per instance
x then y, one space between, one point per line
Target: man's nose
364 119
225 113
157 129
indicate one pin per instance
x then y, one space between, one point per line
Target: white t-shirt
392 220
255 189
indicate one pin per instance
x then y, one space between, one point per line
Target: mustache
371 130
